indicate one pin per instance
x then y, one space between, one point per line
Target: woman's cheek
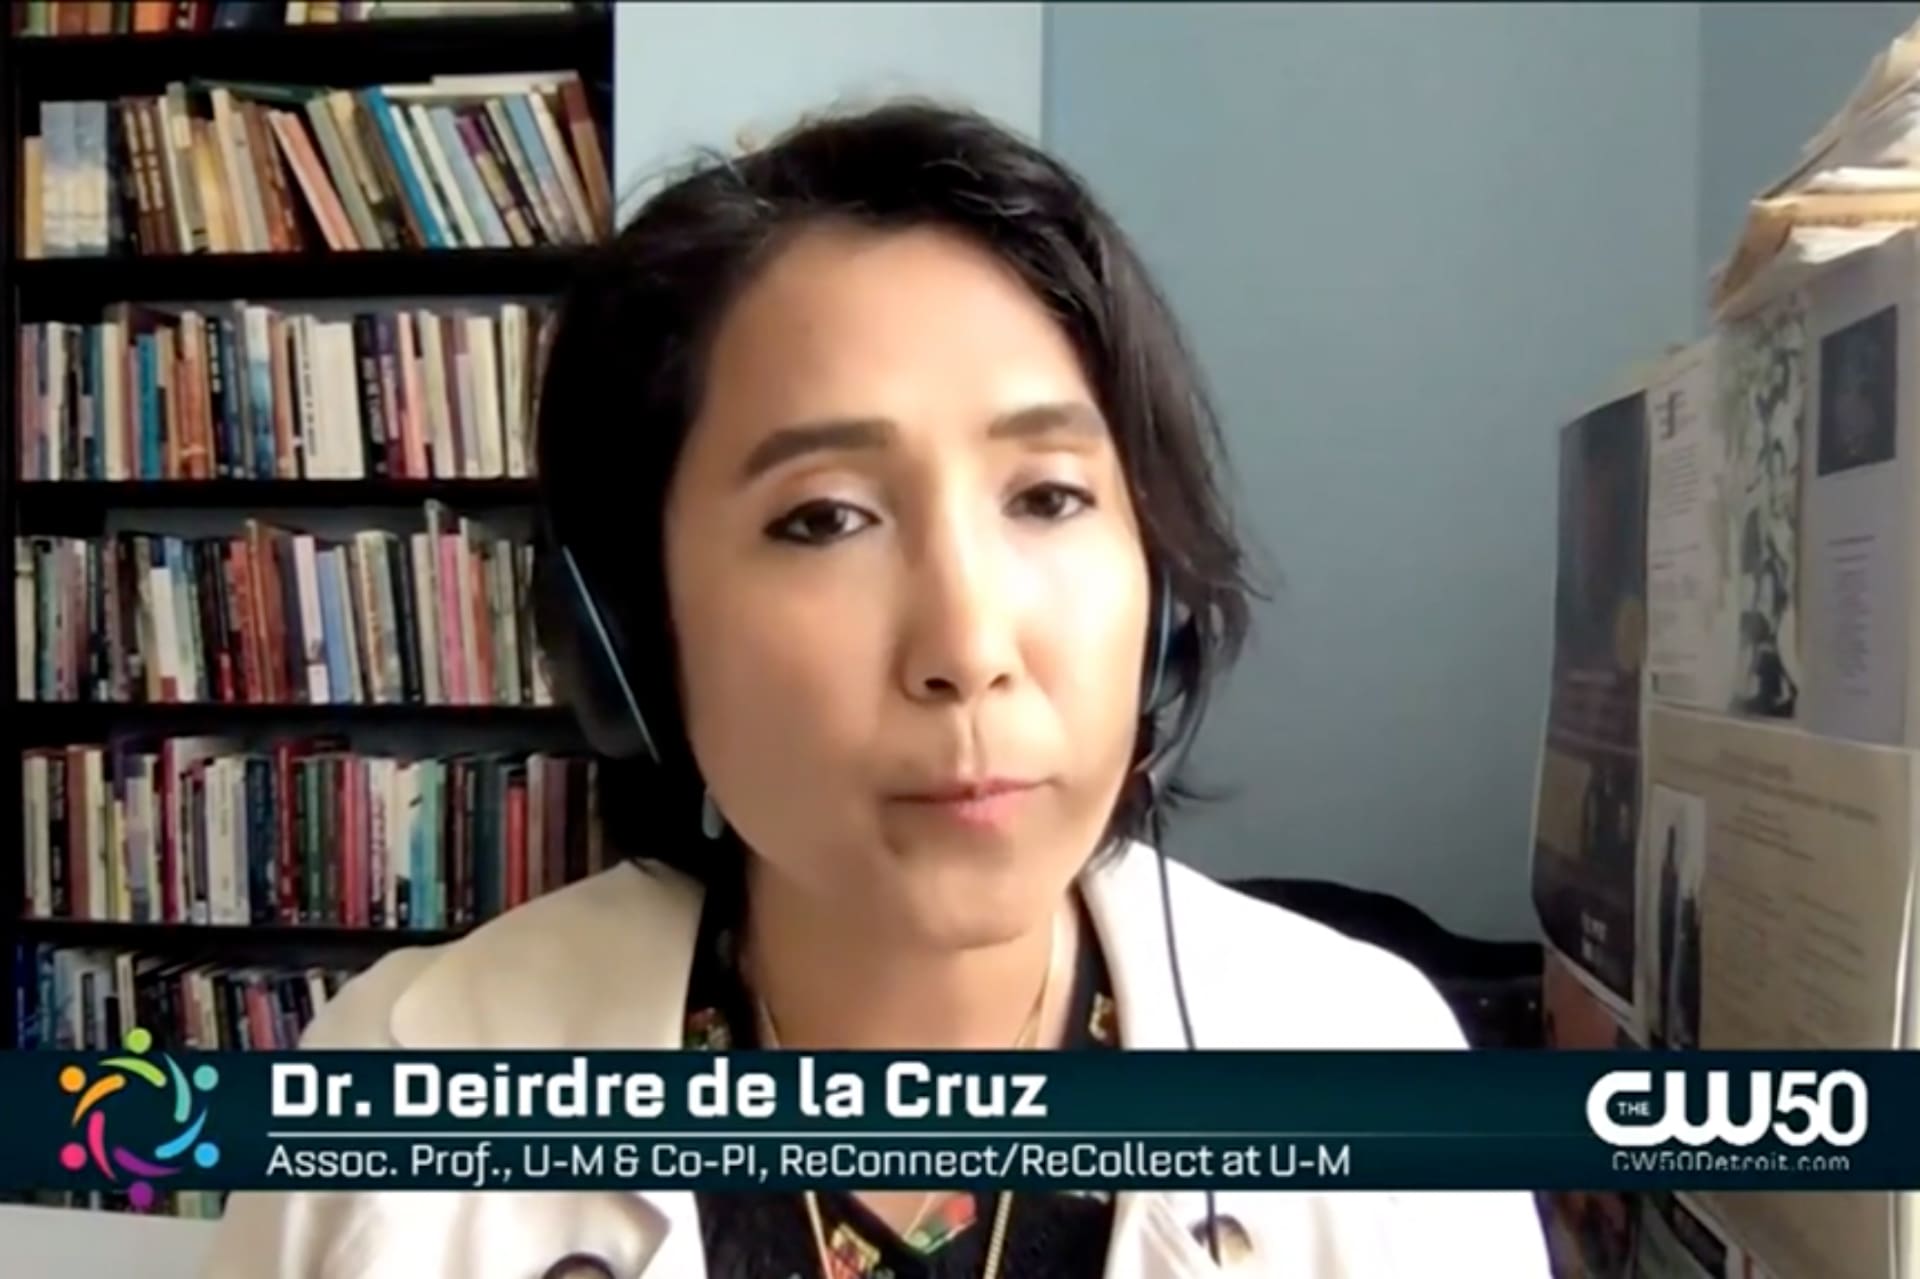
791 660
1094 633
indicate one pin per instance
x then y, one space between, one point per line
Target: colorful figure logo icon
90 1118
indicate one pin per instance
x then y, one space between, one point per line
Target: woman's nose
962 638
579 1265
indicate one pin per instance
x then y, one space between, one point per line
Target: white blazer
603 964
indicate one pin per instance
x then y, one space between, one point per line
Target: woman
884 538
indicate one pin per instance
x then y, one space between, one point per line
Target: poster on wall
1860 497
1587 809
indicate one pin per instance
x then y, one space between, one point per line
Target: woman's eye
819 523
1051 502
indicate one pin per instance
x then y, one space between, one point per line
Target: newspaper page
1587 815
1775 899
1691 640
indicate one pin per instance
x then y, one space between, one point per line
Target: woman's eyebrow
838 435
1068 417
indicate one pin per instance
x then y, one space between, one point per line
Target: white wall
691 75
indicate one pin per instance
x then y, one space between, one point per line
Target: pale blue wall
1407 241
1771 74
696 74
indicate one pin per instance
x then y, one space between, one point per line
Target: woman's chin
973 905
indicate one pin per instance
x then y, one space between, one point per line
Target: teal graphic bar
143 1120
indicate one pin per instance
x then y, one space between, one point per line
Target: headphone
628 735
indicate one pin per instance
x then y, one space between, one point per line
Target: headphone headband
608 651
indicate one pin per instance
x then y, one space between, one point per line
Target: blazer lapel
600 965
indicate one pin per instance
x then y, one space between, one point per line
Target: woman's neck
826 985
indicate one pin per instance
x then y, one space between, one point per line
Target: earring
712 824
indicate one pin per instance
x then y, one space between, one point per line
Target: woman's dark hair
624 378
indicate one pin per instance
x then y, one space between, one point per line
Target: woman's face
908 587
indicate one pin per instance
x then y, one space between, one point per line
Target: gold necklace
1003 1205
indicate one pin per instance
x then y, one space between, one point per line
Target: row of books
491 161
275 616
255 393
204 831
142 17
89 999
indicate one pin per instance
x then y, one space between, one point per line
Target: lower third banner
143 1120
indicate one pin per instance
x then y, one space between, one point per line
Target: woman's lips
989 804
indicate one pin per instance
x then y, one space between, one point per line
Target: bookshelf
77 290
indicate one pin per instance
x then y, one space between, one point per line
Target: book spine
352 129
579 211
249 224
279 194
413 194
526 133
586 146
90 155
491 167
474 192
59 180
414 168
177 126
208 180
515 169
33 199
289 133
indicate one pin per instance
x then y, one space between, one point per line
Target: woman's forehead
912 326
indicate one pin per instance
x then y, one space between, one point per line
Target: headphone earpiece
1159 644
1173 649
609 710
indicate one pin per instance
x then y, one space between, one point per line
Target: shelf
78 506
52 723
343 55
224 938
77 288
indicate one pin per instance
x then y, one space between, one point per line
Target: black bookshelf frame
34 69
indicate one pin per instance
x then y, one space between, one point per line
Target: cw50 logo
142 1093
1806 1106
